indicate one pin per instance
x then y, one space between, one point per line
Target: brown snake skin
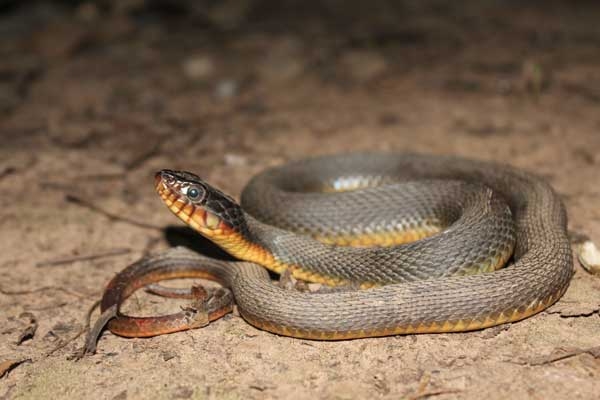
404 300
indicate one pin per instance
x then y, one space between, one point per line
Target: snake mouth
174 194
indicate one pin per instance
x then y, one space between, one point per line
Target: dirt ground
96 97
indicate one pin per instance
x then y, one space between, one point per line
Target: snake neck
260 243
246 242
256 242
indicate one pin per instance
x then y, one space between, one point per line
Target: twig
49 306
83 257
554 357
99 177
422 391
593 351
84 329
431 393
7 171
145 156
71 198
66 342
42 289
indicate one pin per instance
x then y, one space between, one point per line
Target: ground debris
558 355
84 257
71 198
42 289
29 330
9 365
588 255
569 309
423 393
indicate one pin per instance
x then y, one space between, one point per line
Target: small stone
226 89
199 67
589 257
121 396
168 355
235 160
182 392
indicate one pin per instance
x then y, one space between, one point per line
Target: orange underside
381 239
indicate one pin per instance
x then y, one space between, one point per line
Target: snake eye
194 193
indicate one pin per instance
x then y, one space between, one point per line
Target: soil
97 96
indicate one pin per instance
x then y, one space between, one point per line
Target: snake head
200 205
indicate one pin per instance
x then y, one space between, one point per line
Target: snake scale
463 218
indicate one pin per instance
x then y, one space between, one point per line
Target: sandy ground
94 100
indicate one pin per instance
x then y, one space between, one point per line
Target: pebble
235 159
198 67
226 89
589 257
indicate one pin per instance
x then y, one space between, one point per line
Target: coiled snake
465 219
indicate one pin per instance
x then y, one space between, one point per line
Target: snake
408 243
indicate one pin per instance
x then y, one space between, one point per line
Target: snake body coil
424 286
